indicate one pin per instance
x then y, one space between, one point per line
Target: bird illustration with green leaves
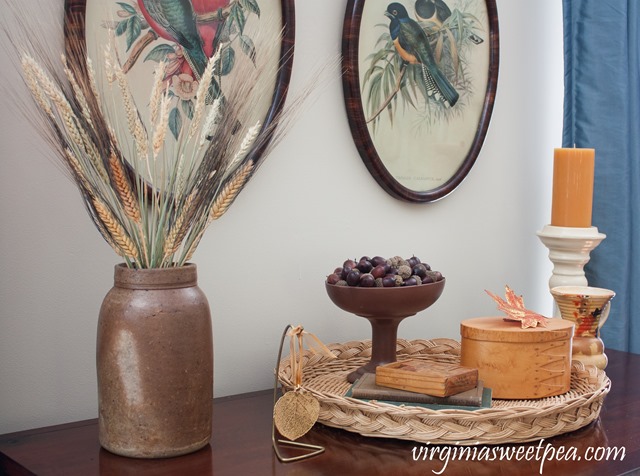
175 21
412 44
437 12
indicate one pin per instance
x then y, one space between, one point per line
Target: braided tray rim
507 421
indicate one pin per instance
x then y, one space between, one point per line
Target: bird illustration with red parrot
176 21
194 30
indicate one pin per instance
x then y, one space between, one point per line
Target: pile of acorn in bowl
383 273
391 287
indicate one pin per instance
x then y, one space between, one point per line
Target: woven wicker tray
507 421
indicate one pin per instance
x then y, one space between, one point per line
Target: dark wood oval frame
74 29
357 120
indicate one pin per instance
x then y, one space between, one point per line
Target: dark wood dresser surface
241 445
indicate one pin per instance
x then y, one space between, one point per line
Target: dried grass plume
152 198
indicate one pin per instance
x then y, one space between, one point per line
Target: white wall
312 205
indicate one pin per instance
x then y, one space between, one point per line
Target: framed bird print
419 86
183 35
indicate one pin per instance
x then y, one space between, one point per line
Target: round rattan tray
507 421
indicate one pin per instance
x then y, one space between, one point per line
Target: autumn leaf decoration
513 306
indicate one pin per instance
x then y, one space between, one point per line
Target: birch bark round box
518 363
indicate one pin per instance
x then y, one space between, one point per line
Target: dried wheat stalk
124 189
115 230
151 201
230 191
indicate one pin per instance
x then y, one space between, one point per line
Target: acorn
379 282
353 278
350 263
333 278
342 282
389 281
404 271
435 275
367 280
414 260
411 281
364 265
378 260
379 271
395 261
419 270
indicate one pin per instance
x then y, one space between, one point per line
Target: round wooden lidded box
517 363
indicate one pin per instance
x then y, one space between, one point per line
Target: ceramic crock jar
155 363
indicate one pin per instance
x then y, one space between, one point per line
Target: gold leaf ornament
513 306
295 413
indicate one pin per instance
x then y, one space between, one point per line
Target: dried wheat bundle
151 201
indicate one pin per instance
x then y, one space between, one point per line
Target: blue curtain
602 110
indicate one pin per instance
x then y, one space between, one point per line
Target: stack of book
435 385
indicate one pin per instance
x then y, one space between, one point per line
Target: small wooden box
519 363
439 379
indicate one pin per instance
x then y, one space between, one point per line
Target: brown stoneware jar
155 363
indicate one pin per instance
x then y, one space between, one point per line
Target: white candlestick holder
569 250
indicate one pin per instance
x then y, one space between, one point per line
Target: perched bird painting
437 12
175 21
421 87
413 46
183 35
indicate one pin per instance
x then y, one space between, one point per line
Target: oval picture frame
416 144
78 26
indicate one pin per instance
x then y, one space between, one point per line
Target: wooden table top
241 445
